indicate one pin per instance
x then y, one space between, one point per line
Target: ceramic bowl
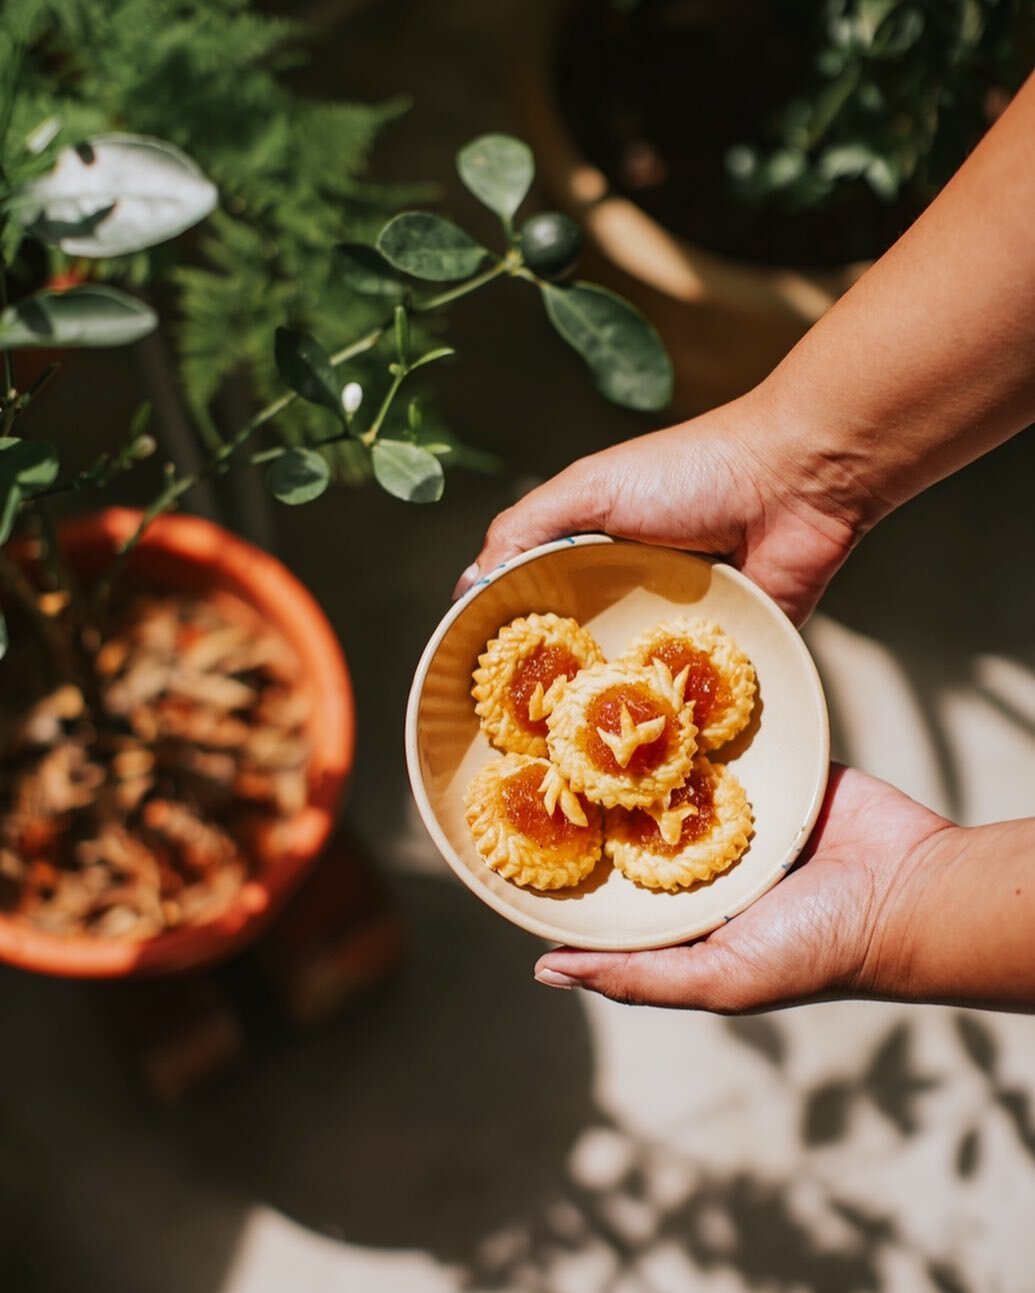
617 589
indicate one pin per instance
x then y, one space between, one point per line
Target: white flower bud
38 139
351 397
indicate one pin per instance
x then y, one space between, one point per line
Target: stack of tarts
610 758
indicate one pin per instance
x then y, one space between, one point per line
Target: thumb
575 501
701 976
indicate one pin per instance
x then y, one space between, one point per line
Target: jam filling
543 665
522 805
705 686
698 790
605 711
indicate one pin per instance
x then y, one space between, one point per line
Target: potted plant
738 166
177 732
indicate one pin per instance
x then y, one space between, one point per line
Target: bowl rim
551 930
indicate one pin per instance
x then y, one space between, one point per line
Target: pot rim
634 241
224 561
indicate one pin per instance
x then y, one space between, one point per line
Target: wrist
832 464
958 922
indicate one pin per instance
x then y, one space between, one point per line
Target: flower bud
351 397
143 447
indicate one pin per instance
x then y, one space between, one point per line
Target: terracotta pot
185 552
726 322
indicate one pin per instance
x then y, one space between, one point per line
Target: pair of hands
836 925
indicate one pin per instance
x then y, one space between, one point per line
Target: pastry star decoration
555 790
541 703
673 689
669 821
624 744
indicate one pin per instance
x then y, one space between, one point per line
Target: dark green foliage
307 369
408 471
298 476
26 467
498 170
90 315
896 94
204 75
625 356
429 247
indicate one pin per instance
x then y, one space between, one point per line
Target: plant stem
217 463
220 458
8 397
508 265
370 434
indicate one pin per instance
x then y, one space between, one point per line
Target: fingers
800 942
700 976
576 501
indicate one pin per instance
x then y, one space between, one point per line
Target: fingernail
466 580
555 979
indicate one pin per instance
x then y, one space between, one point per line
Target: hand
729 483
834 927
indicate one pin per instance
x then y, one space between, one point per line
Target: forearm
962 927
927 362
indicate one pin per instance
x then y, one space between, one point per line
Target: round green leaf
298 476
306 367
407 471
498 170
626 356
90 315
114 195
32 463
429 247
26 467
366 271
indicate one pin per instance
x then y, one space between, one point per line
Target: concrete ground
468 1129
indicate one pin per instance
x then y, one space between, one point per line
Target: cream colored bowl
617 589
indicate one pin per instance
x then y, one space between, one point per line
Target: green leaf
307 369
402 334
26 467
870 15
90 315
498 170
366 271
113 195
624 352
407 471
443 352
298 476
429 247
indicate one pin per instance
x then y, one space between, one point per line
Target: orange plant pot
186 553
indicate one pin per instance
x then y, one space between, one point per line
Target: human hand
836 926
730 483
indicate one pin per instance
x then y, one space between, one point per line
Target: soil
656 96
135 774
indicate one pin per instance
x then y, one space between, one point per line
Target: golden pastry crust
518 678
622 734
721 680
529 826
701 832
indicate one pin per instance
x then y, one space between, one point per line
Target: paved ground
471 1130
